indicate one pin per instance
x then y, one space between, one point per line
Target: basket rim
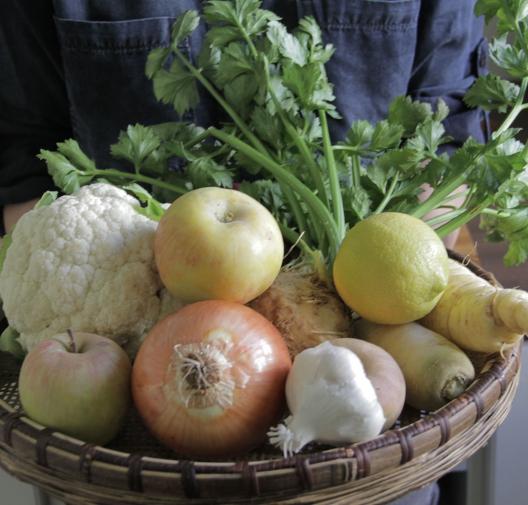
67 467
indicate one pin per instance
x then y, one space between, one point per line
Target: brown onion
209 379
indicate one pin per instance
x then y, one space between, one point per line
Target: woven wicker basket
135 469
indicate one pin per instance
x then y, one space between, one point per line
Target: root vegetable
476 315
436 371
305 309
384 373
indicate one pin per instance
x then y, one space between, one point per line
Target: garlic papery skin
331 401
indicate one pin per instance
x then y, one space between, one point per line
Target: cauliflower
86 261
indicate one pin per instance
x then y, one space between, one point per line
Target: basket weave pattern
135 469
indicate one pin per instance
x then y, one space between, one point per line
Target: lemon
391 268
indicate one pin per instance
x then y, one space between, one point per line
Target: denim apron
383 49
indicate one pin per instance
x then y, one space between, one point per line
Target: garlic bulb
331 401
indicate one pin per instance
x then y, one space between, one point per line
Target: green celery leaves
273 86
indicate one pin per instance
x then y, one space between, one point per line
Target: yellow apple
218 244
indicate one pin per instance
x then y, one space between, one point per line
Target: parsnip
476 315
435 370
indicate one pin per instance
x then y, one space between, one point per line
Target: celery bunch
273 85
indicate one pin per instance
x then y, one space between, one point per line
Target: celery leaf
176 86
512 59
136 144
69 174
184 26
492 92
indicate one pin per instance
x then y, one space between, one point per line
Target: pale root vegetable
436 371
305 309
476 315
384 373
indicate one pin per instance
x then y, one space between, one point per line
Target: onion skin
260 363
384 373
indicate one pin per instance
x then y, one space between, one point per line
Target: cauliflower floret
86 261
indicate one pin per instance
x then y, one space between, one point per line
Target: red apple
218 244
78 384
